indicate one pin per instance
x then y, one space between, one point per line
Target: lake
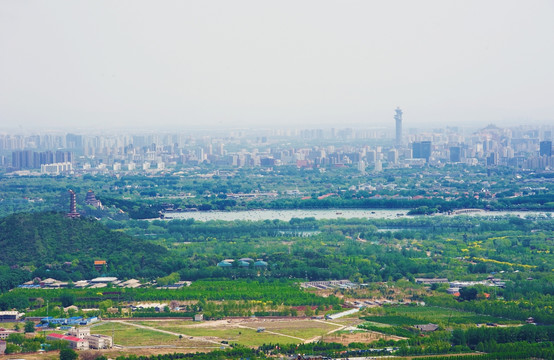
286 215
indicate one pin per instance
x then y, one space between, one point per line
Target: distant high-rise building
492 159
73 141
398 119
392 156
63 156
72 206
455 154
23 159
421 150
371 156
545 148
378 166
361 166
46 157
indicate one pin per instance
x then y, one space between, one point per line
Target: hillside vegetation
53 245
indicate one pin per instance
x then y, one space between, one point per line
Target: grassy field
11 325
210 333
231 334
164 322
245 333
407 315
305 329
128 335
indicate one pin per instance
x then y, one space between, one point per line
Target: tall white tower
398 119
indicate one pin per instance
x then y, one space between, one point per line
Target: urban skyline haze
216 64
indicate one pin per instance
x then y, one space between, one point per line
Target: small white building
56 169
10 315
103 280
80 338
80 332
98 341
4 333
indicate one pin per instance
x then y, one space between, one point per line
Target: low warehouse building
74 342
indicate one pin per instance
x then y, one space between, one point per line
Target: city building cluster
523 147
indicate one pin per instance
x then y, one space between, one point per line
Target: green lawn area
412 315
127 335
233 334
11 325
247 337
164 322
378 324
305 329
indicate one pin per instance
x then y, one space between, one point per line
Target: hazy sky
275 63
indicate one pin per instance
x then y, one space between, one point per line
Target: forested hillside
53 245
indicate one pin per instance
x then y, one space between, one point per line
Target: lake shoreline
320 214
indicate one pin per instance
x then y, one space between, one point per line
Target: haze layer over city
309 64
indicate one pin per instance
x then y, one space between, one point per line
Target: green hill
52 245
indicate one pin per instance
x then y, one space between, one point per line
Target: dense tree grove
472 337
362 250
65 249
236 352
382 255
141 196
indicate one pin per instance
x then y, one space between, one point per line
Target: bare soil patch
362 337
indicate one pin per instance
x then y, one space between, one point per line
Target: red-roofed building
326 196
99 264
74 342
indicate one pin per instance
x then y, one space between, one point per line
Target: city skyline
521 147
248 64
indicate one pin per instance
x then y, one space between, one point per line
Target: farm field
347 337
127 335
245 332
406 315
213 334
306 329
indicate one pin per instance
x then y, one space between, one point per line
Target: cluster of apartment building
521 147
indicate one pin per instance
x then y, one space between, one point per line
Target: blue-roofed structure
260 263
75 320
244 264
224 264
